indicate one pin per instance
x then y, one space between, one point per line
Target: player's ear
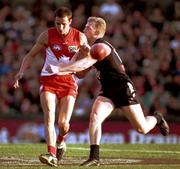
97 32
70 20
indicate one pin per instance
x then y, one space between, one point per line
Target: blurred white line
136 151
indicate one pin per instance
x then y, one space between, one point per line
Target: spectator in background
79 17
60 44
157 17
112 11
110 7
4 135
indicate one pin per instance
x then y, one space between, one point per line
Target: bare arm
82 58
82 74
91 56
87 60
79 65
38 46
83 41
28 58
84 61
75 66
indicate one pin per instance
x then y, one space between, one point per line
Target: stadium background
147 36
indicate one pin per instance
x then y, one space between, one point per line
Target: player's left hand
18 76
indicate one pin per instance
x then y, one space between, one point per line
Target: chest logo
72 48
56 47
64 59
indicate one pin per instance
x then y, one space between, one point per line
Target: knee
94 118
64 127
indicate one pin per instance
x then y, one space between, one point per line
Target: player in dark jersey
117 91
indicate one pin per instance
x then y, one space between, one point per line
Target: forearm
24 65
79 65
27 60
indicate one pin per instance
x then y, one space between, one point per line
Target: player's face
62 25
90 30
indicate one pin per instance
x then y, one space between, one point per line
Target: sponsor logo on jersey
72 48
56 47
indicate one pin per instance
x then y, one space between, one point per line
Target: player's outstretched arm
28 58
84 61
90 55
87 56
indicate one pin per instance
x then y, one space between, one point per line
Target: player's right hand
18 76
84 50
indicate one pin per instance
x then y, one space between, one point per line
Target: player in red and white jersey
60 43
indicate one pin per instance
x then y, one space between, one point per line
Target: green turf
113 151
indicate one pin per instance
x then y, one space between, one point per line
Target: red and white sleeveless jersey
60 49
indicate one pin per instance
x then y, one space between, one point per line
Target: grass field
114 156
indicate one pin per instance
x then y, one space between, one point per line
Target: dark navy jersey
110 68
115 83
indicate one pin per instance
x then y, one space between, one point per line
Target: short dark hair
63 12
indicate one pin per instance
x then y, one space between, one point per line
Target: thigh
102 108
66 108
48 103
135 115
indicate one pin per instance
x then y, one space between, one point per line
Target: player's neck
65 34
91 41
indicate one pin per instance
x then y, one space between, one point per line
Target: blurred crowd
146 35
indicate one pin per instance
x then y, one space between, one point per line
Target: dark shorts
122 93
